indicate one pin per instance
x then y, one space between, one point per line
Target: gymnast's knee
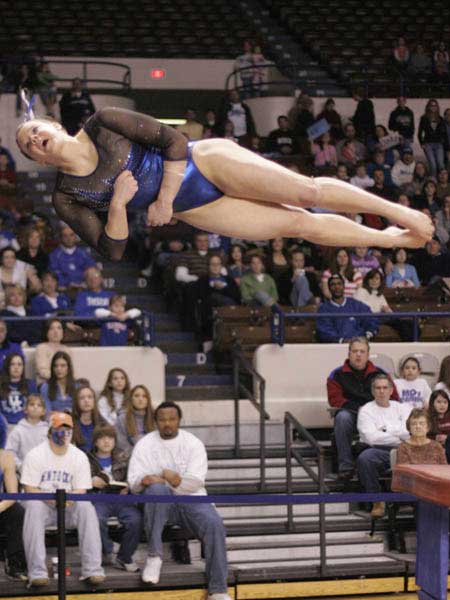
324 185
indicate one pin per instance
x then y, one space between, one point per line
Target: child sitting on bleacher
85 418
114 333
412 389
113 395
29 431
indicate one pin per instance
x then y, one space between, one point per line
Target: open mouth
44 144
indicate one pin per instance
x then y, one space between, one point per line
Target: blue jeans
372 463
130 518
301 292
202 521
344 430
435 157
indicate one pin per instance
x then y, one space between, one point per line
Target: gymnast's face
41 141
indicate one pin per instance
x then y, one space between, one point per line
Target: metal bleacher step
188 358
197 379
199 392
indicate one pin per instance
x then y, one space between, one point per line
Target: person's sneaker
219 596
15 570
378 510
39 582
93 579
131 567
152 569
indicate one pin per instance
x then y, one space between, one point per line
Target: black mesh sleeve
87 226
144 130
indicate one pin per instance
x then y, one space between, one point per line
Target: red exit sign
157 73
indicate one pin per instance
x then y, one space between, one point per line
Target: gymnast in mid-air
122 159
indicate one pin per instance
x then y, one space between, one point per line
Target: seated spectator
401 274
420 449
16 272
277 258
76 107
440 73
211 120
281 141
348 155
192 129
257 287
403 170
115 391
109 465
53 334
324 152
401 121
21 330
444 376
30 431
342 172
361 179
14 388
59 391
6 346
11 521
228 132
94 296
116 333
7 236
8 183
32 252
380 187
301 117
45 87
235 264
342 264
214 289
401 55
371 292
331 330
412 388
136 418
428 199
173 461
239 113
420 178
442 221
57 464
433 262
363 260
420 63
443 185
380 161
333 119
439 411
381 426
350 136
298 287
85 418
69 262
11 161
377 142
49 302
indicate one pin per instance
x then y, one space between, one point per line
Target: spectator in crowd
11 521
440 73
277 258
174 461
420 177
11 161
85 418
14 388
333 119
342 172
447 136
364 260
381 426
116 333
49 302
379 162
348 155
17 272
361 179
444 376
439 412
69 261
109 465
296 286
259 80
59 391
30 431
211 121
94 296
244 65
431 136
8 183
192 129
324 152
115 391
420 449
441 49
412 388
364 117
257 287
400 55
443 185
57 464
7 235
420 63
136 419
337 330
371 292
349 388
350 136
301 116
342 264
433 262
240 115
442 221
401 120
228 131
403 170
378 142
214 289
428 200
6 346
76 107
45 87
401 273
21 330
281 141
235 264
53 336
32 252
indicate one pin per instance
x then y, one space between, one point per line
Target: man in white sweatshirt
172 461
382 426
403 170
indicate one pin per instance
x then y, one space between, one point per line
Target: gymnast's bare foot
418 222
403 238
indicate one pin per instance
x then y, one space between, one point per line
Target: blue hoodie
70 268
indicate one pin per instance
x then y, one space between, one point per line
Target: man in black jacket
76 107
401 120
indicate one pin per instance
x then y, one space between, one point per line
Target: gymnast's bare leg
240 173
253 220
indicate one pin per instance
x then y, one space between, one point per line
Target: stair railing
291 424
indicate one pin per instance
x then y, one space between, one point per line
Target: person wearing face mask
57 464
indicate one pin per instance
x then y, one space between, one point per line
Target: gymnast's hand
159 213
125 187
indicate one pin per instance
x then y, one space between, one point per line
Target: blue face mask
59 437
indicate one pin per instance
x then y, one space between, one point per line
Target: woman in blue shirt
58 392
402 273
85 418
14 388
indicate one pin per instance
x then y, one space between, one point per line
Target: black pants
11 524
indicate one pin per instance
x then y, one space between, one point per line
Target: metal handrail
239 390
260 85
292 424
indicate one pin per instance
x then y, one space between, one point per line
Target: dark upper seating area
163 28
355 40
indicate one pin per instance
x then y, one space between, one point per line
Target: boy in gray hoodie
30 431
